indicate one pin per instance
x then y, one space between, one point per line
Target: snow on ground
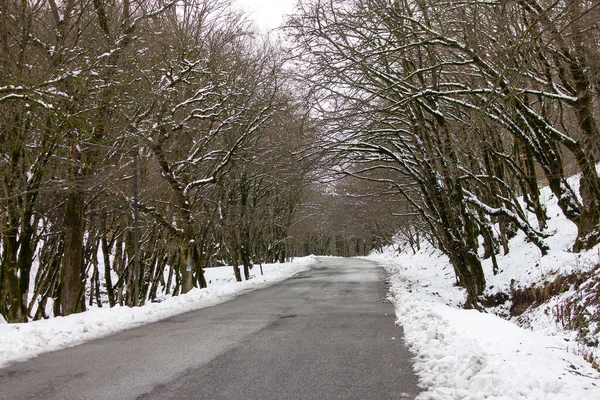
465 354
22 341
524 263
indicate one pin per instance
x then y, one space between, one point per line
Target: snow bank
22 341
465 354
524 264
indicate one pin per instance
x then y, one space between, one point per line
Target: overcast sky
268 14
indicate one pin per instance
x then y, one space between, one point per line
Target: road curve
324 334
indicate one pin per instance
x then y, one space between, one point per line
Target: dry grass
578 311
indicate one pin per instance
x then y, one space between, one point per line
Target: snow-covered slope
21 341
465 354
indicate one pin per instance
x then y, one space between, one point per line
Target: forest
142 141
458 109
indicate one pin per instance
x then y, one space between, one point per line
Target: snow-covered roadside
22 341
465 354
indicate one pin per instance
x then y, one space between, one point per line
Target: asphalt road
324 334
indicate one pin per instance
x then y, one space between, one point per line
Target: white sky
268 14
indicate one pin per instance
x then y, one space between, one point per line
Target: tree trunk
200 270
26 252
245 261
107 271
73 275
236 268
11 276
186 266
130 292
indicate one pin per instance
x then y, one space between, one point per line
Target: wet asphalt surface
326 333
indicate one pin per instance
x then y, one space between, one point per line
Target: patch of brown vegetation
535 295
578 311
494 300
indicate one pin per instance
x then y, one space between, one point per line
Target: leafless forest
144 141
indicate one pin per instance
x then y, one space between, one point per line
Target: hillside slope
538 336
